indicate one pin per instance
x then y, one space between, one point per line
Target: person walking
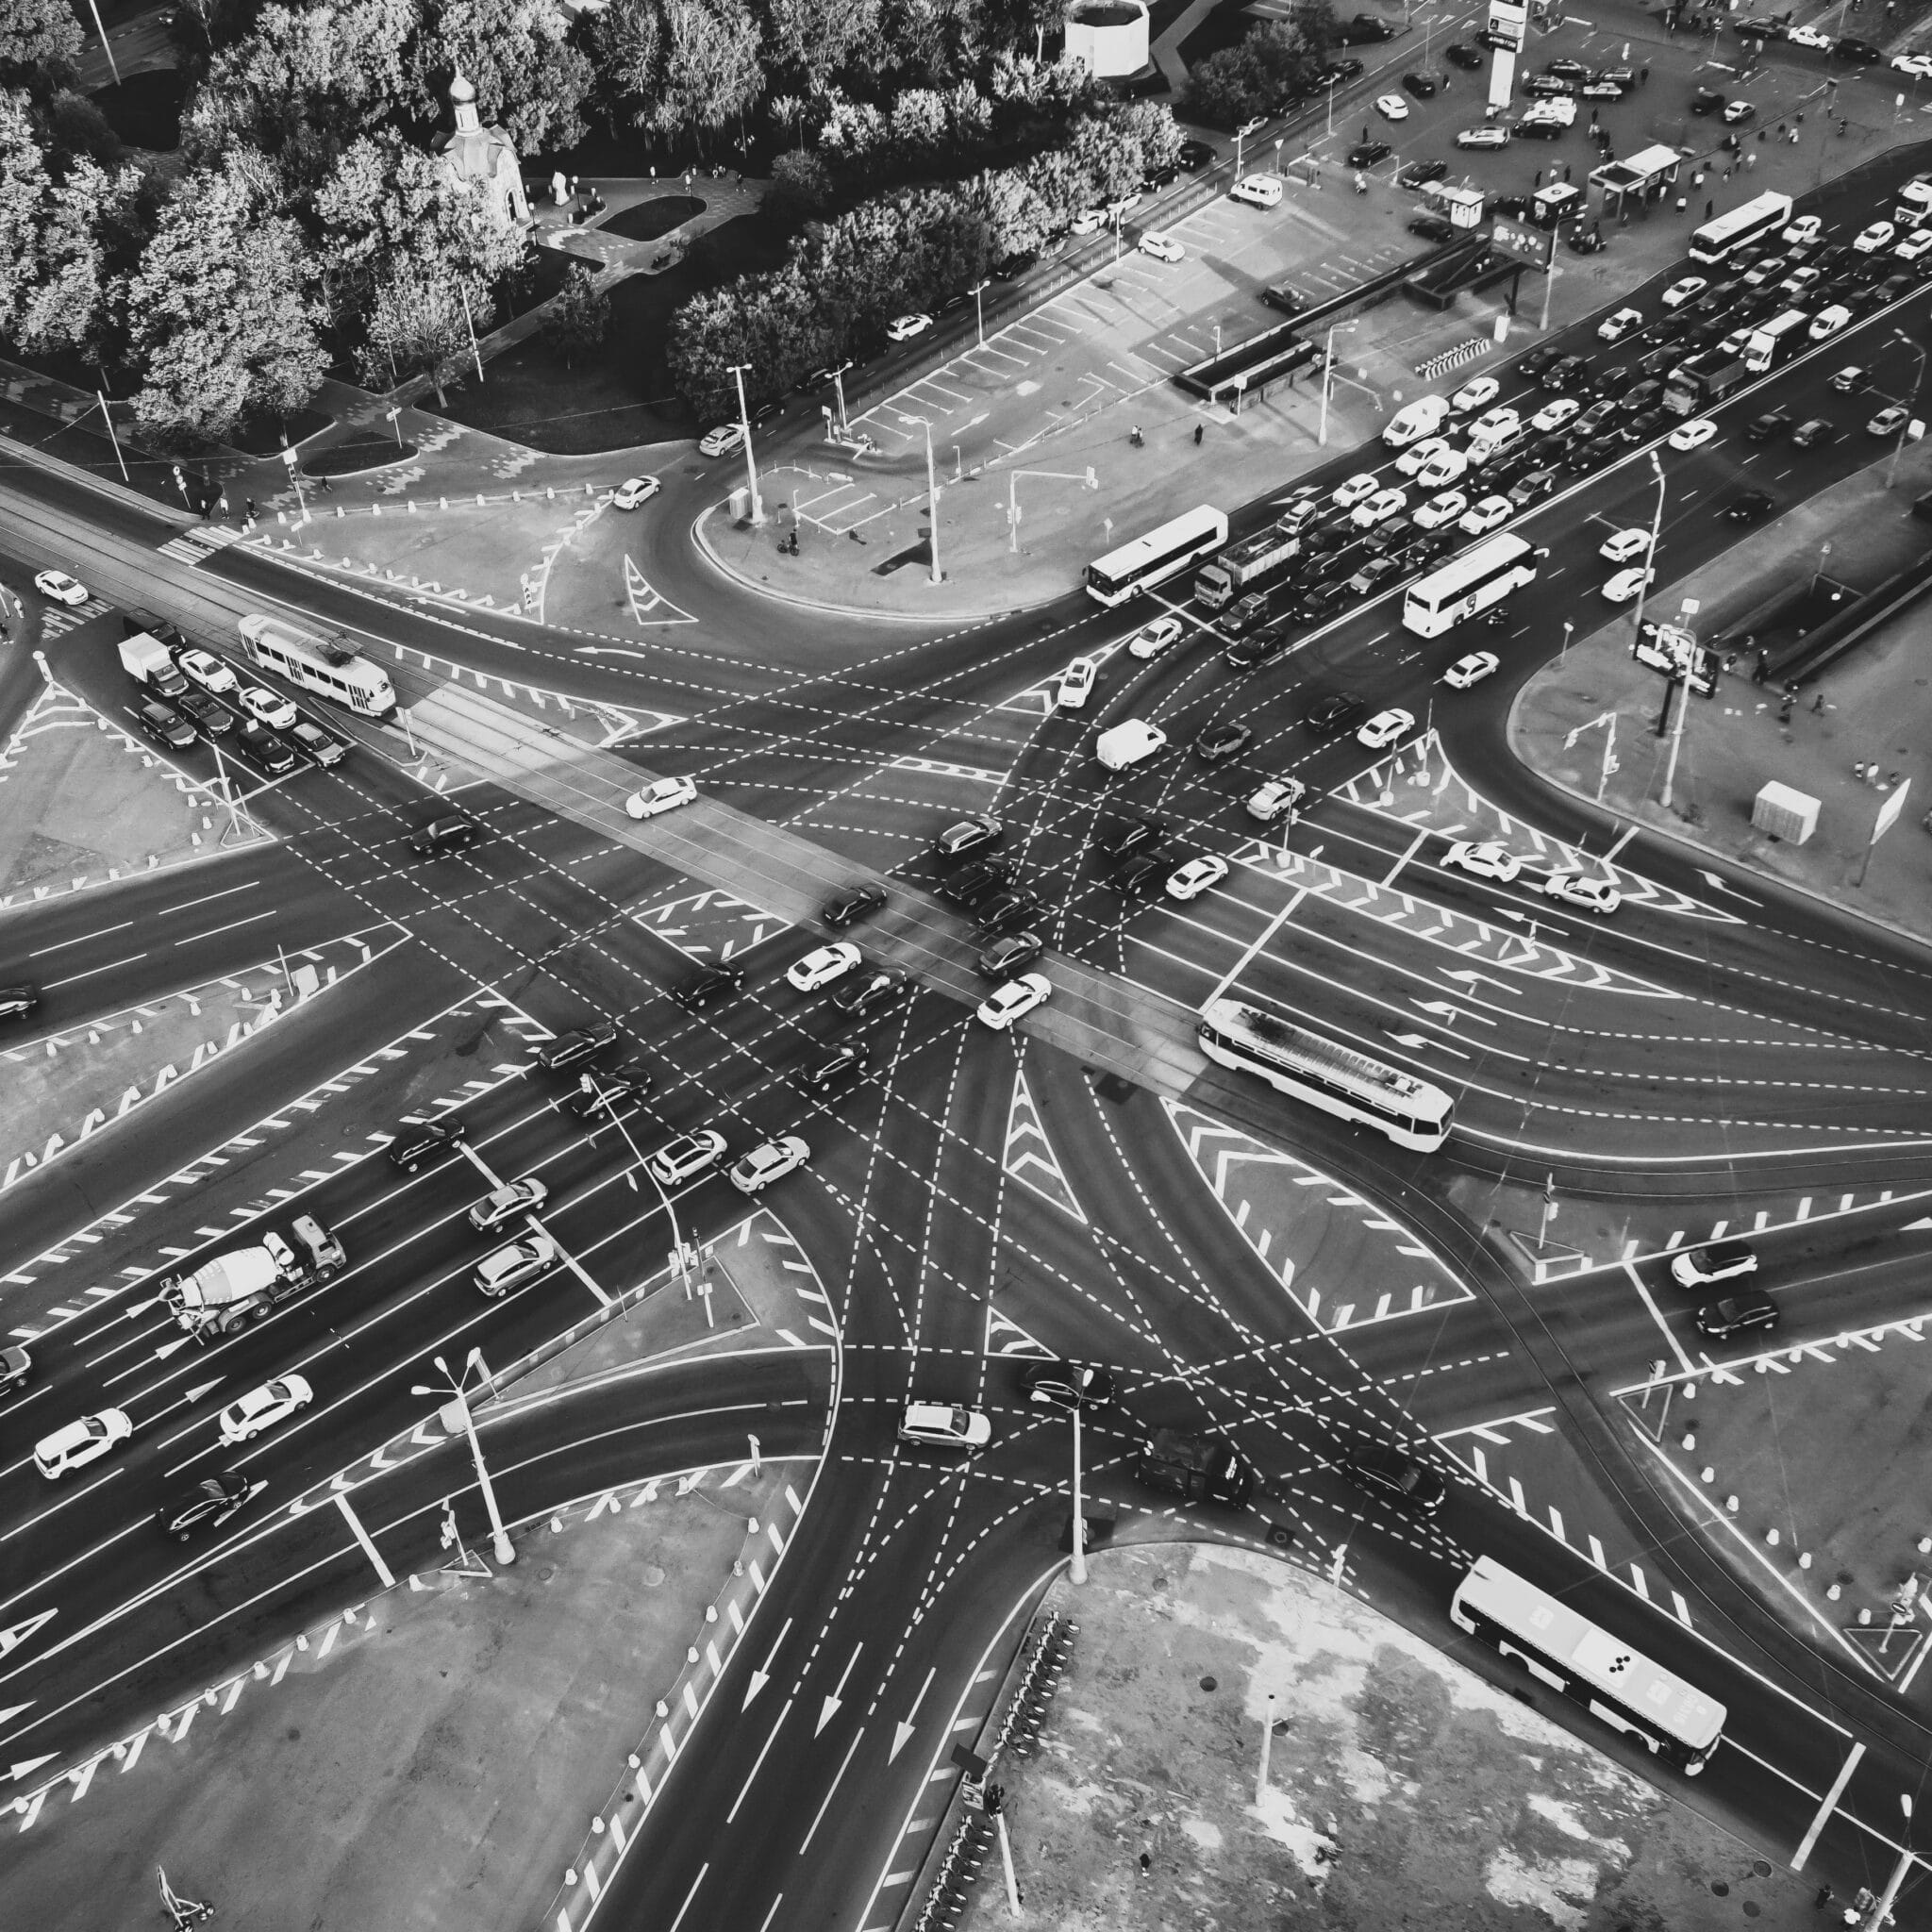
1644 74
1818 701
1709 208
1198 432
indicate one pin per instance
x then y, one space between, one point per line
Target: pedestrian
572 187
221 503
1538 182
1818 701
1794 137
1198 432
250 501
1761 671
1824 1898
1750 163
1784 713
1709 208
1781 127
1146 1864
1644 74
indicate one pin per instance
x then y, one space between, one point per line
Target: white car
1827 321
1498 421
1483 137
1694 434
1807 36
1017 997
1486 861
1807 228
1489 514
822 967
1356 488
1582 888
1682 291
944 1425
687 1156
1798 284
1274 799
1194 877
1613 328
1261 191
1735 343
1125 205
1914 248
902 329
1386 728
1471 670
1447 466
1474 393
1622 588
634 493
1871 240
503 1204
1153 639
1089 221
262 1408
514 1263
1417 454
1378 508
1625 547
1445 508
269 707
1738 111
1392 107
1553 415
57 586
1076 684
81 1441
661 794
765 1164
1846 379
1917 65
1161 247
722 440
208 672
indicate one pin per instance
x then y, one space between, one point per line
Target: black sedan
1422 86
1419 173
416 1141
581 1044
835 1074
1067 1385
1337 712
16 1002
1468 59
1215 742
721 982
1432 228
1365 154
855 903
1396 1479
212 1500
875 994
604 1093
1132 834
1748 506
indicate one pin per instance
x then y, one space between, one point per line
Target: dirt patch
1403 1791
649 219
358 457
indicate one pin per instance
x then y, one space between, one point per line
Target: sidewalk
1876 707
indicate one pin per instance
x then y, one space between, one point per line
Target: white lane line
1825 1810
61 945
92 972
1684 1362
206 898
253 919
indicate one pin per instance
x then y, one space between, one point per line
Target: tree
812 40
223 321
531 77
1149 125
680 66
580 316
801 188
39 41
919 125
416 321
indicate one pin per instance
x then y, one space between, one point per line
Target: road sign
1676 651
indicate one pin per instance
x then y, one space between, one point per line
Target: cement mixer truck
245 1284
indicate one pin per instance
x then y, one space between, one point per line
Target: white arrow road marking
12 1639
762 1676
25 1767
833 1702
1718 885
906 1727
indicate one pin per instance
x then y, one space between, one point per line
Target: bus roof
1175 531
1765 206
1474 565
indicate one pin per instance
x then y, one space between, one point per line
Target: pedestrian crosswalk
199 541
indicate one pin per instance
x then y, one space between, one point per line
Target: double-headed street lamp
505 1550
751 468
1328 377
1898 335
979 288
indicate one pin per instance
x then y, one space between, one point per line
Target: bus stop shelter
1644 176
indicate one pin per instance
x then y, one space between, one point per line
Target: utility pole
1328 377
932 498
751 468
1267 1741
1079 1568
505 1550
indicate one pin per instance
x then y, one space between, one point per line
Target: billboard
1506 23
1522 242
1675 652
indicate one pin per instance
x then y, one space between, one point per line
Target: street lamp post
679 1268
1079 1568
1328 378
1331 105
932 498
751 468
505 1550
1917 382
838 389
1657 523
1906 1858
979 288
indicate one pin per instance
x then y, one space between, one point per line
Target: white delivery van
1414 421
1129 743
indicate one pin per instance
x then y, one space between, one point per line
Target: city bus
1482 575
1610 1679
1732 231
1159 554
326 669
1325 1074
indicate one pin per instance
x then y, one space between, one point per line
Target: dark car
581 1044
445 835
266 749
1816 431
1537 483
1006 958
1396 1479
1323 601
1747 508
17 1002
418 1141
1010 268
212 1500
976 882
1647 423
1244 612
1565 68
835 1074
722 982
604 1093
1419 173
1140 876
1337 712
1432 228
1624 77
873 993
165 725
1566 372
980 833
1892 289
1468 59
1550 85
1246 653
1386 540
1133 834
1639 396
1536 130
1736 1314
1067 1385
1763 429
1537 360
855 903
1859 53
316 744
1347 68
1706 100
211 715
1215 742
1373 575
16 1365
1366 27
1420 85
1008 912
1279 295
1512 205
1365 154
1195 155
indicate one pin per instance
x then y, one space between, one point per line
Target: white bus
1731 231
1159 554
1779 339
1323 1071
1482 575
323 668
1604 1674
